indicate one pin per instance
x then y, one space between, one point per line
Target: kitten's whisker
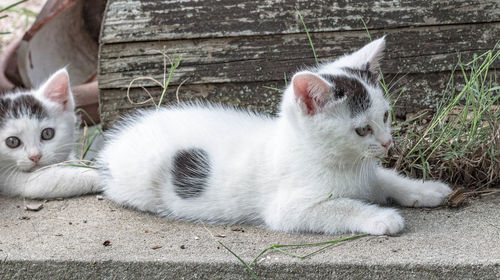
397 81
392 92
11 173
395 76
7 167
373 123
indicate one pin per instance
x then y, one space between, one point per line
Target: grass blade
12 5
308 37
249 269
329 243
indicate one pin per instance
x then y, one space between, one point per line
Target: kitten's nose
387 144
35 158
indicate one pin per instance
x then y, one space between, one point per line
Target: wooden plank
149 20
421 91
266 58
252 96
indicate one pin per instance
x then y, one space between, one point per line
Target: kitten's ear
57 89
370 55
312 90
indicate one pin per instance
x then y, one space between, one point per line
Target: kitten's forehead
364 75
357 97
21 106
360 87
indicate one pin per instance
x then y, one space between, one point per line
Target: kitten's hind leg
56 181
335 215
409 192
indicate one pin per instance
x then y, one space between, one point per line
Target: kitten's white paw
437 186
430 194
384 221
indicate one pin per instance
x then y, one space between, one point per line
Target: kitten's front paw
384 222
431 194
438 187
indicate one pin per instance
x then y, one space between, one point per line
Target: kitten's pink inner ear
57 89
311 90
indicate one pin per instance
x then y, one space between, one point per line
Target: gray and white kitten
37 131
315 168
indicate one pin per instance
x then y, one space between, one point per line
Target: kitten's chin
383 154
376 155
29 168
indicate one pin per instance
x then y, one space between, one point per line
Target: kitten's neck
299 150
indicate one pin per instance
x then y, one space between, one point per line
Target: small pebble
34 207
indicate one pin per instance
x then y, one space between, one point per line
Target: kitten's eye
363 131
13 142
338 93
386 116
48 133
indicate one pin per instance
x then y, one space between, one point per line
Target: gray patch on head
19 106
364 74
4 107
190 171
358 99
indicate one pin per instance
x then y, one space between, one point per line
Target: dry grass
459 142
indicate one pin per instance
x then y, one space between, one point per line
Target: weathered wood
421 91
149 20
252 96
248 59
232 50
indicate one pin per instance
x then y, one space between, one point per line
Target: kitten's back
144 176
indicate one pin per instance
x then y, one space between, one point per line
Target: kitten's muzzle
387 144
35 158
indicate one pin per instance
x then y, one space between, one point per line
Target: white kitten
314 168
37 129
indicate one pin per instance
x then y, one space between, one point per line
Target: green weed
459 141
279 248
164 85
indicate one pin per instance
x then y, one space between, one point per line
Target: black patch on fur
365 74
358 99
3 110
191 168
21 106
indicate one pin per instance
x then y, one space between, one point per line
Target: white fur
301 171
19 176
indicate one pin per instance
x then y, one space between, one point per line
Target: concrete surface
64 240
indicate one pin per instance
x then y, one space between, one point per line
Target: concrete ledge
65 240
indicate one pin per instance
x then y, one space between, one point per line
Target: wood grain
232 50
149 20
264 58
418 91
